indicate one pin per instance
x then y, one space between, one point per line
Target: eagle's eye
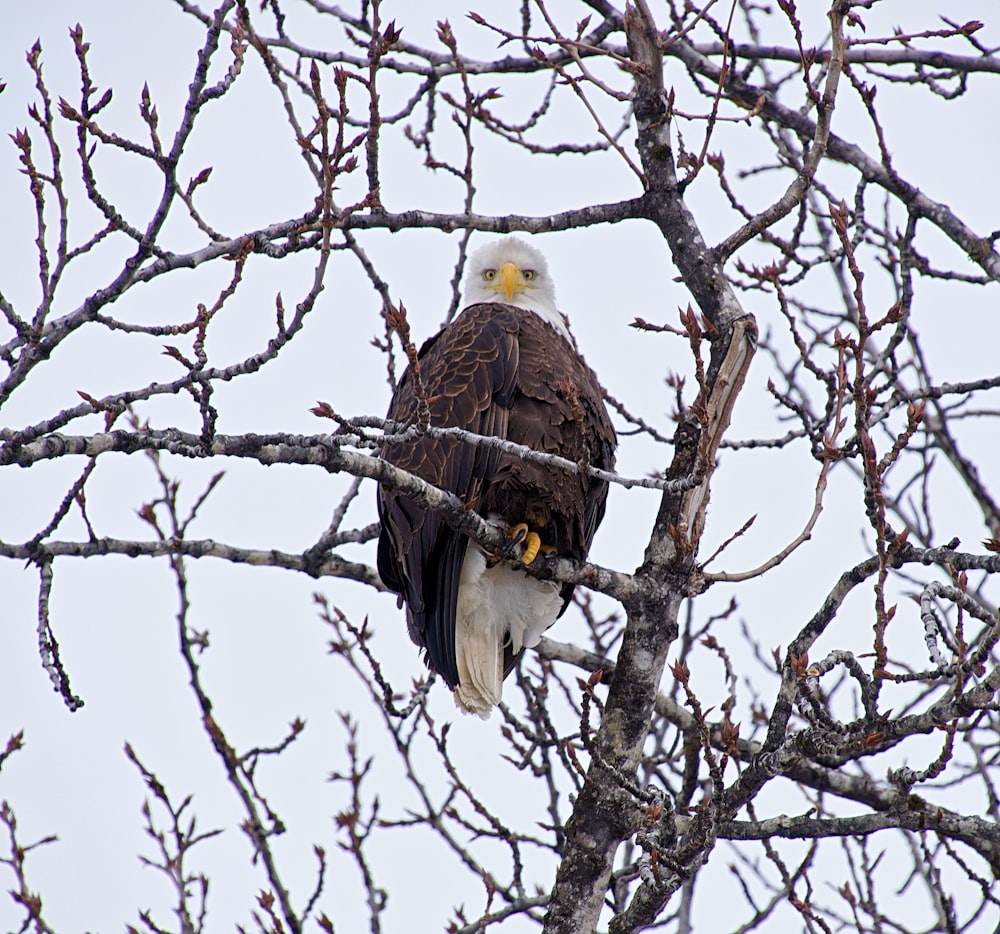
489 275
529 275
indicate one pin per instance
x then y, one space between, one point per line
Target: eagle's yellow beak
510 280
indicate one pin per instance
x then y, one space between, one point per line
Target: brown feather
502 371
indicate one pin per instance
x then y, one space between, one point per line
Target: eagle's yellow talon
532 544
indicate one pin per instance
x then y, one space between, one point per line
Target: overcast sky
268 663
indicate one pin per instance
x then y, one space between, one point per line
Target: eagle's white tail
495 605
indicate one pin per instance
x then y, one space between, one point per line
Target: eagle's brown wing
468 373
501 371
559 409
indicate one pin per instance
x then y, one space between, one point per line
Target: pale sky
115 618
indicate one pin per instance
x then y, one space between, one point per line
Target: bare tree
838 774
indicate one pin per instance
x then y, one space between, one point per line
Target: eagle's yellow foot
518 533
522 535
532 545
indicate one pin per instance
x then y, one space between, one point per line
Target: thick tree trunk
607 809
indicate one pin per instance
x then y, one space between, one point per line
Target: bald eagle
506 367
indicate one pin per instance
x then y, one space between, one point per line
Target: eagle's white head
511 271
